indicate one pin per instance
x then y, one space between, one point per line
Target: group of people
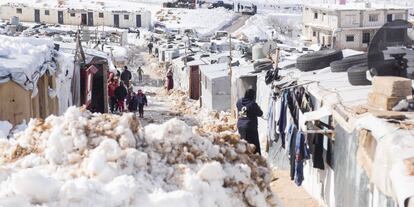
120 92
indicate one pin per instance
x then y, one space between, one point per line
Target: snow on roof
89 53
25 59
215 70
101 5
242 71
356 6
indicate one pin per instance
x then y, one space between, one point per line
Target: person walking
120 95
170 80
142 101
129 93
113 84
238 7
247 124
150 46
126 76
138 34
133 103
140 72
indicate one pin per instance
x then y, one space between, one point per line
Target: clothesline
301 84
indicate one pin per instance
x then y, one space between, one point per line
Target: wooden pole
277 54
231 57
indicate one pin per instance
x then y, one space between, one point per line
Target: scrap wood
366 151
362 109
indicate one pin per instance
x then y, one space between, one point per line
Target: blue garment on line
292 129
282 118
271 120
302 154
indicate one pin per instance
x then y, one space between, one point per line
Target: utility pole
231 57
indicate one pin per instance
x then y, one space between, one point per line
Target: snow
119 53
204 21
26 59
5 128
85 159
64 77
261 26
28 183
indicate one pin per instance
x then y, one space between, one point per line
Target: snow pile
204 21
119 54
285 26
85 159
64 76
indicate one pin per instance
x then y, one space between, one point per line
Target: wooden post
54 102
105 69
276 61
231 57
43 96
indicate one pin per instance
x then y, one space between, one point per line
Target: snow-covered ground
84 159
205 21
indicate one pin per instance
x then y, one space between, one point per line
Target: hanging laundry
301 154
317 153
281 123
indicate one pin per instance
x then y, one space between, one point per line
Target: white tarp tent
215 87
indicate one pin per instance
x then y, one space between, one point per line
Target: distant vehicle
190 32
220 34
221 4
248 10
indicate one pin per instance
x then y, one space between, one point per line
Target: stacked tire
262 64
344 64
318 60
357 75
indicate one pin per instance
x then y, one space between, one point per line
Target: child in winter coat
133 103
142 101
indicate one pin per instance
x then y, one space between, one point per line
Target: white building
77 13
349 26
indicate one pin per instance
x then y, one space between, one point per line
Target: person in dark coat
133 103
170 80
126 76
247 124
150 46
138 34
142 101
120 95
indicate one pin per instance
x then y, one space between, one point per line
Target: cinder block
392 86
382 101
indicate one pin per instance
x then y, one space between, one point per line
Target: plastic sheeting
25 59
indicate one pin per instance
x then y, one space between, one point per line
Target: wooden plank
15 103
35 106
43 99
